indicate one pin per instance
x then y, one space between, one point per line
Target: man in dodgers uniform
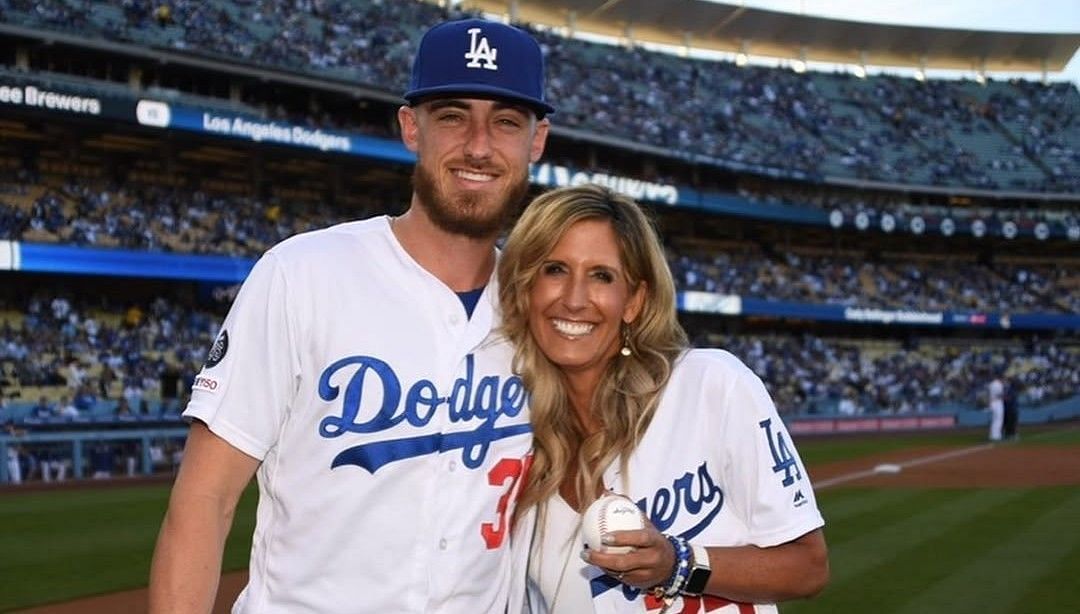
358 374
996 391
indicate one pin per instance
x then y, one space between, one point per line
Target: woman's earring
625 351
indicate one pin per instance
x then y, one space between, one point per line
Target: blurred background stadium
876 246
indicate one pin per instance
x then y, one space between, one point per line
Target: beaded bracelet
679 573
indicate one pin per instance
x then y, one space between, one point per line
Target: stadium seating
748 128
1001 136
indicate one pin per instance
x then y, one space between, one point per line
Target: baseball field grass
64 544
987 550
892 549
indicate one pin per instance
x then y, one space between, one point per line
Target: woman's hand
649 563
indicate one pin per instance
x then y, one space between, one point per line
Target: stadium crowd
63 356
813 374
1016 135
852 280
148 217
73 356
154 218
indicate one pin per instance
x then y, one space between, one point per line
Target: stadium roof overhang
727 27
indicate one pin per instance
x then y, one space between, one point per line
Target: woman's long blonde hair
629 391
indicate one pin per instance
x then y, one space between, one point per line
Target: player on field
359 377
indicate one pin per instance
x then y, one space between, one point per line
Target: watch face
699 573
695 585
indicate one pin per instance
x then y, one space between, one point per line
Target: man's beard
466 215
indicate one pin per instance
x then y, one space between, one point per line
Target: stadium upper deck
999 137
737 28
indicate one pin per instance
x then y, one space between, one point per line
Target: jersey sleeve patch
207 384
218 350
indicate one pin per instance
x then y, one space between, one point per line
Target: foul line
840 479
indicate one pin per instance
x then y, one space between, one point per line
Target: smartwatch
699 572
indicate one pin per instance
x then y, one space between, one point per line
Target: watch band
699 572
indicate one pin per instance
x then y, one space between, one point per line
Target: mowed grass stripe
41 526
66 544
32 504
880 557
852 503
1019 543
97 520
866 539
1057 590
1068 436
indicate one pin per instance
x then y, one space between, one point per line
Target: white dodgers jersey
717 467
391 430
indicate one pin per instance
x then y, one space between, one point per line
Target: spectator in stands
163 15
42 410
847 406
67 409
106 377
133 317
85 400
133 393
123 408
76 373
475 120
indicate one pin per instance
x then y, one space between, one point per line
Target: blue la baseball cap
475 56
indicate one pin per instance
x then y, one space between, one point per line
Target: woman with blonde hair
619 403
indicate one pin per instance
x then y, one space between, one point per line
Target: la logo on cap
480 51
460 59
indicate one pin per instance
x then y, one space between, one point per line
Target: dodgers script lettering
473 399
689 493
694 494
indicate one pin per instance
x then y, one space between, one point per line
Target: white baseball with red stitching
611 512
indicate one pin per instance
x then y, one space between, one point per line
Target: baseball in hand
611 512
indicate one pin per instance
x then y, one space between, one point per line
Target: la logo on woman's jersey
783 459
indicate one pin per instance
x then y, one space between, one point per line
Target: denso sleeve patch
207 384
